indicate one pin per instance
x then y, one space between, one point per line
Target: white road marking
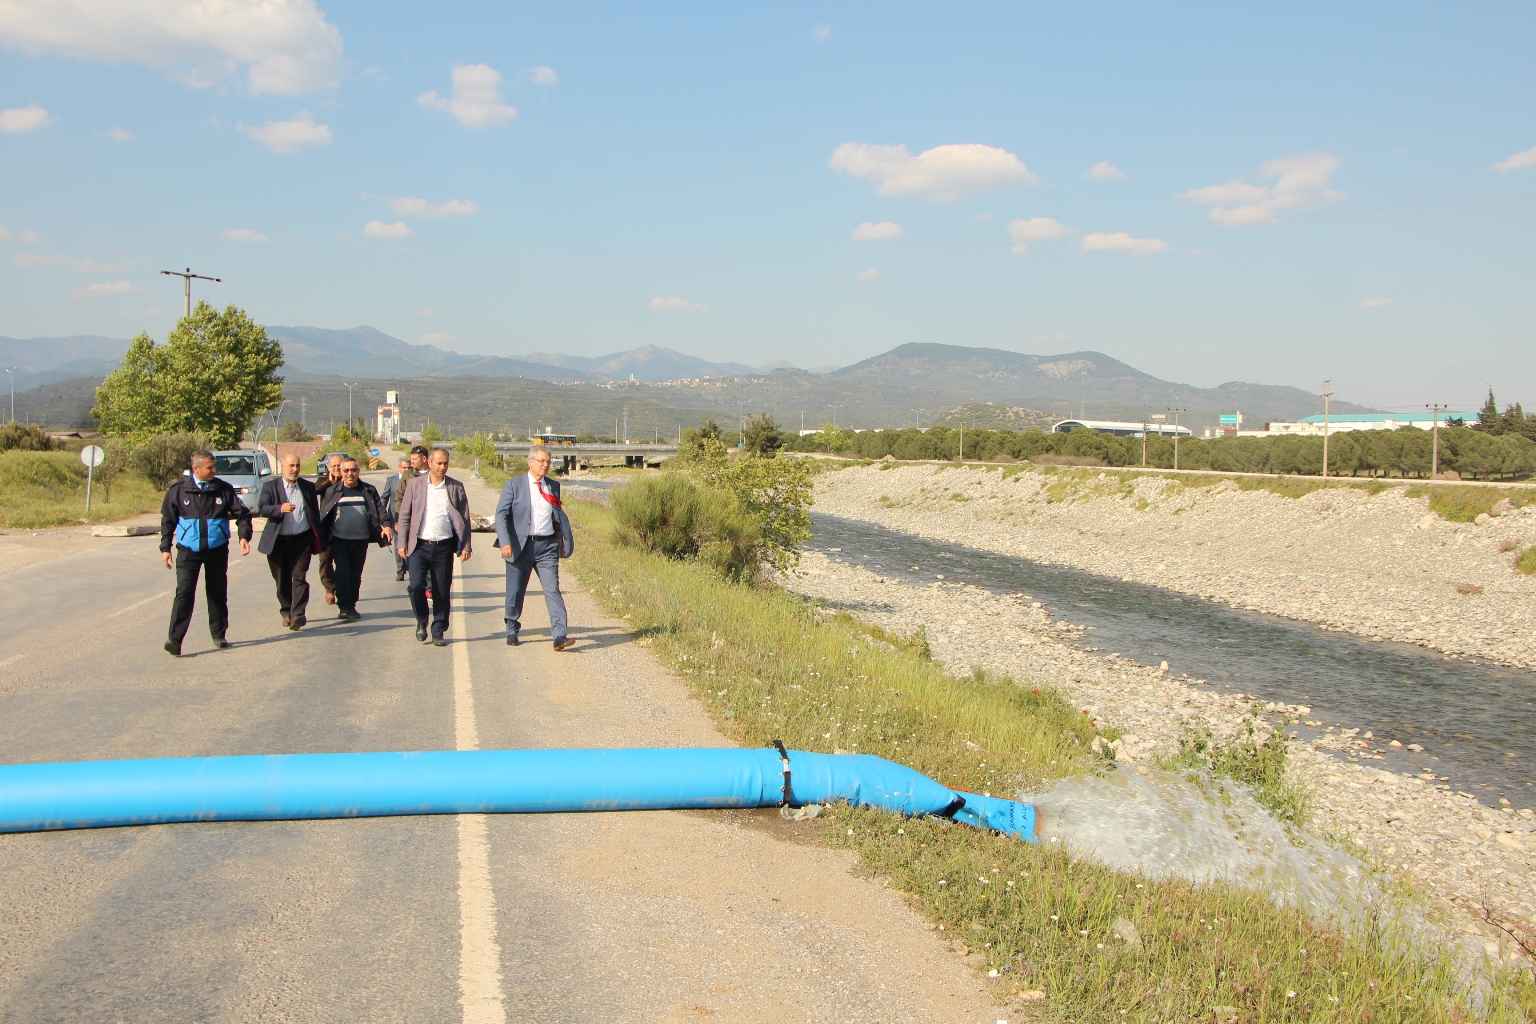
479 953
136 604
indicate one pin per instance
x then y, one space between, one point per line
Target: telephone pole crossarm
188 277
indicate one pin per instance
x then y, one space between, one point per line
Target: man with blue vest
196 517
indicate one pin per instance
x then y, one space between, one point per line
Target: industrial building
1122 429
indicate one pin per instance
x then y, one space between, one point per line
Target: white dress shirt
543 511
436 525
296 521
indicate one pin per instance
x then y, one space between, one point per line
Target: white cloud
410 206
378 229
1119 241
24 119
867 275
883 231
243 235
982 218
942 173
820 33
426 311
290 136
29 237
27 259
1036 229
103 289
1379 302
1518 162
674 304
284 46
476 98
1299 181
119 134
541 76
1104 171
436 338
1049 338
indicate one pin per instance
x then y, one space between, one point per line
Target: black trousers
289 562
348 574
214 565
432 566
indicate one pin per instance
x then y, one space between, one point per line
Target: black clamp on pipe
784 758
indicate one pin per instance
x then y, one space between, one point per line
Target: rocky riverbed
1472 856
1379 565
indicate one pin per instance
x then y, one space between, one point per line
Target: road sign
92 455
374 452
1228 421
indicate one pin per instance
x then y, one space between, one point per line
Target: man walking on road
353 516
290 538
433 526
393 489
534 534
327 477
195 518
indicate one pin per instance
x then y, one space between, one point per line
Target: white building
1313 425
1122 429
387 428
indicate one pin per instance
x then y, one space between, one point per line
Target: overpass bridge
570 455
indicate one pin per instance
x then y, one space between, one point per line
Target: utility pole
741 425
626 424
304 412
349 388
1327 394
1144 428
1434 465
188 277
12 371
1176 435
962 442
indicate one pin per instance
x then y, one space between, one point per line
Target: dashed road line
137 604
480 992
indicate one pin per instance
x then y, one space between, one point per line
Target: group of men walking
423 516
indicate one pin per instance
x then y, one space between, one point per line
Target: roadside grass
43 489
1259 764
1526 563
1464 504
771 665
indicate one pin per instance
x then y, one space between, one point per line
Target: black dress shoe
399 577
421 633
513 641
439 641
298 622
173 648
221 643
565 643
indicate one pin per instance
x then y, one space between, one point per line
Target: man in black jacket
390 506
290 537
353 517
195 517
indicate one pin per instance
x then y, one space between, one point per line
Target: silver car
245 470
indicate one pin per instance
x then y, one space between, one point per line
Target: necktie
552 499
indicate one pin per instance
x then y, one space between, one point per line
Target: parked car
245 470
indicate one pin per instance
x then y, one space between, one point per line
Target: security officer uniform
196 516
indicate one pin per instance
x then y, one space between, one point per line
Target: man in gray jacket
395 485
534 534
432 527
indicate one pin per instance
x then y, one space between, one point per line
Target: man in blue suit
534 535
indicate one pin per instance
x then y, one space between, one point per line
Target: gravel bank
1380 566
1464 852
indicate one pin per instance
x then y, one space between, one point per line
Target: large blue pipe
97 794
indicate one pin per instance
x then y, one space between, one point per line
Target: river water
1476 721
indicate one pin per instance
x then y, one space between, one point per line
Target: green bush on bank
1406 452
42 489
27 437
768 665
673 516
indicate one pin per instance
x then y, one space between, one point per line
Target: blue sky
1284 193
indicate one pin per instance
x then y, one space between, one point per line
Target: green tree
215 374
432 435
763 435
341 436
293 431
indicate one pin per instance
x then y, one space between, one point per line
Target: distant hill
649 363
40 361
64 403
1059 383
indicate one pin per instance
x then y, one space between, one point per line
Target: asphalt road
664 916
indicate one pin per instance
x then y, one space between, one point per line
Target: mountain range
912 383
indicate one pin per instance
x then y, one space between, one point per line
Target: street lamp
834 409
349 388
12 371
1176 435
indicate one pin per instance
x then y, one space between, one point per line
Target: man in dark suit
433 525
393 486
534 534
290 537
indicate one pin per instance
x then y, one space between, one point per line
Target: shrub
1527 562
293 431
675 517
26 437
55 474
162 458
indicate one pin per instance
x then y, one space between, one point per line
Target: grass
42 489
771 665
1259 764
1526 563
1464 504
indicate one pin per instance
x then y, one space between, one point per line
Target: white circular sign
92 455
